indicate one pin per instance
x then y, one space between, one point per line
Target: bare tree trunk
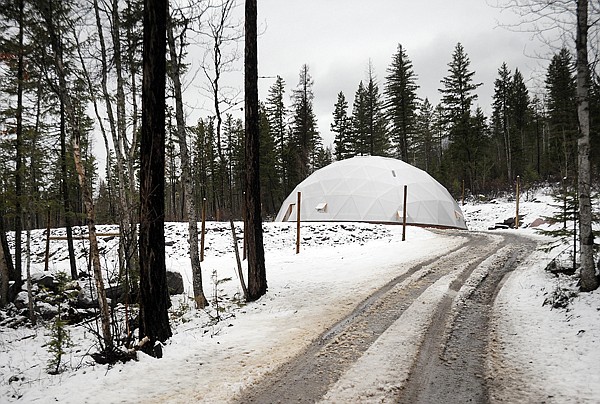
6 263
17 275
30 302
257 278
65 191
589 279
4 272
94 252
128 230
123 168
186 174
154 296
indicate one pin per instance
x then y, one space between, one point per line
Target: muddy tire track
307 377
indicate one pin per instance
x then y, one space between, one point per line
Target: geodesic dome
371 189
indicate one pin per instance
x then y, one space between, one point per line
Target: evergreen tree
562 115
257 277
360 124
276 114
369 131
271 186
305 141
458 94
154 296
521 116
342 129
401 102
425 144
501 118
377 136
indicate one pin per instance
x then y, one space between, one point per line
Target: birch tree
564 22
589 278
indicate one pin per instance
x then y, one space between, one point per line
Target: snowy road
421 338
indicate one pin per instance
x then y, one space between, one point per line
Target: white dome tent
371 189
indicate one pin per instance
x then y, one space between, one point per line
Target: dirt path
450 363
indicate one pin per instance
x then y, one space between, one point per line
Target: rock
86 299
116 293
22 300
46 310
45 279
538 222
174 283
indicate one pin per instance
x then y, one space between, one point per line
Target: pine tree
154 296
458 95
501 117
401 102
521 116
360 124
425 144
271 185
369 130
305 139
276 113
257 278
342 129
562 115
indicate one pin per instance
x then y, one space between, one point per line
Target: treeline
97 48
531 136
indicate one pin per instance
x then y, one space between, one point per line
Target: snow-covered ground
552 354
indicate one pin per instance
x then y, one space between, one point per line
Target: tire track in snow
451 365
308 377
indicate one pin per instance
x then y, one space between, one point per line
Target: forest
93 51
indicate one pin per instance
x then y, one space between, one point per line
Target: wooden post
47 256
404 215
203 231
298 222
518 197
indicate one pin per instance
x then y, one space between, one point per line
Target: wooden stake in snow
298 223
518 197
404 215
47 256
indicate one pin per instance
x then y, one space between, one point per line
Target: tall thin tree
257 277
589 279
154 296
401 102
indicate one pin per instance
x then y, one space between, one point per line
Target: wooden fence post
298 222
404 215
518 197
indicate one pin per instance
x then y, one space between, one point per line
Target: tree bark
68 108
257 279
94 252
186 175
6 263
589 279
17 274
4 270
154 296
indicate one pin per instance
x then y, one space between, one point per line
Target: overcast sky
337 38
